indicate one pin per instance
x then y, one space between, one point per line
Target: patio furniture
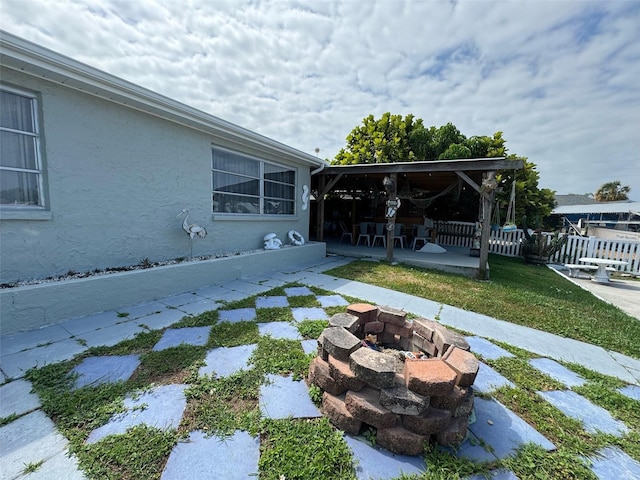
345 233
364 233
601 275
399 235
421 235
381 233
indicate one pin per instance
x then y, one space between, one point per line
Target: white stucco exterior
120 163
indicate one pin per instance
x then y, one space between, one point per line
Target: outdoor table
602 263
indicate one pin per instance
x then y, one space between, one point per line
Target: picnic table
602 263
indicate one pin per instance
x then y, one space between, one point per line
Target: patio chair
364 233
345 233
381 233
399 235
421 235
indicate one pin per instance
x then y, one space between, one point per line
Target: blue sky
559 78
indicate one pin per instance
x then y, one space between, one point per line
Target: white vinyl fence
508 244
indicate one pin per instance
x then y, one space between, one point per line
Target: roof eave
31 59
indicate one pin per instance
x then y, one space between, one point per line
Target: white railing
460 234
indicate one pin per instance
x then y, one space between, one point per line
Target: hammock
423 203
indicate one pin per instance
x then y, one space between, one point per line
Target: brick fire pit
369 379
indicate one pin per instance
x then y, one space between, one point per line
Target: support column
320 211
486 201
391 185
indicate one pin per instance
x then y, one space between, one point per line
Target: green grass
312 449
519 293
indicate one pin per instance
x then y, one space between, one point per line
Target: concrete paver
174 337
489 380
283 397
16 398
105 369
17 364
272 302
488 350
279 330
110 335
631 391
309 313
225 361
613 463
557 372
238 315
377 464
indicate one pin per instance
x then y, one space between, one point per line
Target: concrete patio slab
111 335
557 372
161 408
213 292
29 439
95 371
203 458
174 337
81 325
594 418
179 300
249 289
225 361
489 380
201 306
613 463
265 281
283 397
332 301
157 321
472 449
631 391
298 291
502 430
310 346
309 313
238 315
488 350
16 398
272 302
59 467
16 365
377 464
18 342
279 330
143 309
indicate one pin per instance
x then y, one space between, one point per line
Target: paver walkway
32 436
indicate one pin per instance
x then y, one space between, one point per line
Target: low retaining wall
34 306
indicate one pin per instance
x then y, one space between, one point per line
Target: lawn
313 449
519 293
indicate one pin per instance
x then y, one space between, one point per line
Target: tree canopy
392 138
612 192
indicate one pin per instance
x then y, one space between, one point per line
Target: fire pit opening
410 379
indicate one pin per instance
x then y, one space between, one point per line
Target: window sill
253 218
25 214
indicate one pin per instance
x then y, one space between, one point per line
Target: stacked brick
409 401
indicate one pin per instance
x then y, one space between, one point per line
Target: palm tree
612 192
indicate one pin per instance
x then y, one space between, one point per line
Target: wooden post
390 213
486 202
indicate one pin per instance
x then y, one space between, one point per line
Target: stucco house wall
118 170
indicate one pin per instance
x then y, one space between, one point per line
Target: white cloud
558 78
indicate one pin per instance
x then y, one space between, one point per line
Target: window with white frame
20 163
245 185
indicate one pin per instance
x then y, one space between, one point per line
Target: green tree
393 138
612 192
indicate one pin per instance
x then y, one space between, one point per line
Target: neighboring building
574 199
615 220
94 171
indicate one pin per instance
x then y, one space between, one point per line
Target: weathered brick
375 368
365 312
424 327
405 330
391 315
401 441
373 327
342 374
405 344
336 411
464 363
402 401
431 377
455 432
339 342
429 422
320 375
344 320
389 338
444 338
464 410
365 405
452 401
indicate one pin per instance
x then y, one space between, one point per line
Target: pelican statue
192 229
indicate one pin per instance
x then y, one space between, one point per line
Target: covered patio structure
404 194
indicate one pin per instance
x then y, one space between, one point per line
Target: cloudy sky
560 78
